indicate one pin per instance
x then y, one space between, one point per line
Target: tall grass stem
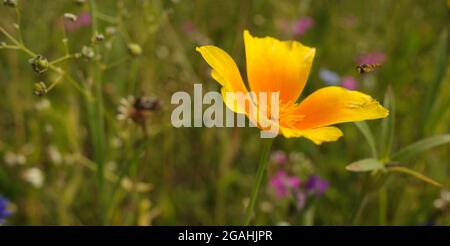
98 120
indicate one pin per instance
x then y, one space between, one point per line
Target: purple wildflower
302 25
4 212
293 182
316 185
282 183
329 77
300 199
376 57
83 20
349 82
279 157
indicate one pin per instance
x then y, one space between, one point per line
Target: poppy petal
333 104
277 66
226 72
317 135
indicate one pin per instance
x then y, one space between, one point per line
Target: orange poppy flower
284 67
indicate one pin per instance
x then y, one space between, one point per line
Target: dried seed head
40 89
134 49
70 17
99 37
10 3
125 108
88 52
39 64
138 109
147 103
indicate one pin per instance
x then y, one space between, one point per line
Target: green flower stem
10 37
61 59
98 120
383 203
10 47
19 25
259 177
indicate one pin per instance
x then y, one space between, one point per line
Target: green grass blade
388 126
433 89
364 128
421 146
438 113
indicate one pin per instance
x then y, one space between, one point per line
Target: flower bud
40 89
99 37
134 49
71 17
39 64
10 3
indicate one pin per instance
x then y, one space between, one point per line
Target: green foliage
365 165
364 128
432 90
420 146
58 117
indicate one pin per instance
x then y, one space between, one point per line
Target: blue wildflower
316 185
4 212
329 77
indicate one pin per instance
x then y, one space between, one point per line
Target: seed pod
10 3
134 49
70 17
40 89
39 64
88 52
99 37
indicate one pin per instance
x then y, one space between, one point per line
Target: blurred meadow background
71 155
